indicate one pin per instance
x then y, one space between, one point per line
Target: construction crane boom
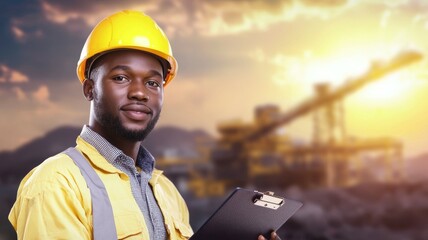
376 71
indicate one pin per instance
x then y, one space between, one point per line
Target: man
124 66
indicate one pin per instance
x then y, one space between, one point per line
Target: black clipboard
246 214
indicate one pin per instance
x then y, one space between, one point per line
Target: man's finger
274 236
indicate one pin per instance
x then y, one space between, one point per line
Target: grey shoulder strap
104 227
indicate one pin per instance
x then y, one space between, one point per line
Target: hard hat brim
171 70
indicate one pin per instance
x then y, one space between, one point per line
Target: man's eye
120 78
153 84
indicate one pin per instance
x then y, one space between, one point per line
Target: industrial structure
254 154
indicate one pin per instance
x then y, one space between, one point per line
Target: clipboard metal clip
268 200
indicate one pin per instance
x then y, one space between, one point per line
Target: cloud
215 18
324 3
62 11
18 33
41 94
420 19
11 76
39 97
202 17
395 3
210 18
207 18
287 69
55 15
20 94
25 27
38 112
385 18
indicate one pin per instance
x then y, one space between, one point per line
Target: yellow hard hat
127 30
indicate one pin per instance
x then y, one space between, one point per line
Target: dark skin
273 236
126 85
126 93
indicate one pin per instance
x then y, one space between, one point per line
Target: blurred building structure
256 155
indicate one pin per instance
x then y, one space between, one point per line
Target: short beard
108 121
114 123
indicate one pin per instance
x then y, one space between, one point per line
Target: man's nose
138 91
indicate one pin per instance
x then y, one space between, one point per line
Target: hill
163 141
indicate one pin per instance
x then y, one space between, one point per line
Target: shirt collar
112 154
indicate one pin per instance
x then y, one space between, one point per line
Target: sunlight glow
392 88
335 70
338 70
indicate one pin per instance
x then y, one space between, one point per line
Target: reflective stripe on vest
102 212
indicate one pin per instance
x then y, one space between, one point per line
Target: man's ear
88 89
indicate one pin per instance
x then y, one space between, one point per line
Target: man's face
127 95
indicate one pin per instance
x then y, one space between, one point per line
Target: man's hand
273 236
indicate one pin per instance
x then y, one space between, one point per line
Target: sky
232 57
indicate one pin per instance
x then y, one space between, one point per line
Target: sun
392 88
339 70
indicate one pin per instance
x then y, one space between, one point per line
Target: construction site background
352 188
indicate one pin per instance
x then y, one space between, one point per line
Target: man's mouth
136 112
